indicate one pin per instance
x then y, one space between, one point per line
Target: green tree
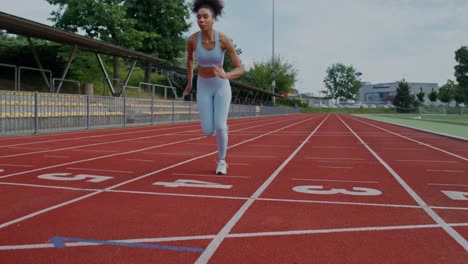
341 82
432 96
167 19
104 20
260 75
446 92
420 95
228 65
84 67
461 72
458 94
403 98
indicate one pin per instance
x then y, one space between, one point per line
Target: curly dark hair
216 6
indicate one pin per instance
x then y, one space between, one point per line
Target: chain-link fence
34 112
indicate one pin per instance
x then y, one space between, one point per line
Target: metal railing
49 83
34 112
153 88
57 89
16 73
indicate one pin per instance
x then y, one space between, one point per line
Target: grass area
317 110
452 125
446 119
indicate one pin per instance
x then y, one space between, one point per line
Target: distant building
384 93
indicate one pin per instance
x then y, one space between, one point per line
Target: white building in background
384 93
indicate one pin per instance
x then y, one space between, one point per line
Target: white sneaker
221 169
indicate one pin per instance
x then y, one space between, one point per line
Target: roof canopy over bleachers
24 27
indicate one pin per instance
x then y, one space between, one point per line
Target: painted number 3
316 189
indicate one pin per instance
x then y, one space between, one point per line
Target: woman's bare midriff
206 72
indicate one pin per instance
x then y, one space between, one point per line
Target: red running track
300 189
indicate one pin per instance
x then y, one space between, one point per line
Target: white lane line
97 158
14 221
210 175
145 142
224 232
60 157
414 140
415 149
126 191
334 167
130 152
238 235
81 244
204 196
28 148
285 133
332 147
253 157
140 160
48 186
78 148
450 208
338 203
202 144
253 134
93 140
99 170
87 137
428 161
271 146
296 179
132 132
442 184
333 136
334 133
228 197
16 165
333 230
452 232
448 171
171 153
323 158
96 151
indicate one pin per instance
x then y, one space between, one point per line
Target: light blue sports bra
209 58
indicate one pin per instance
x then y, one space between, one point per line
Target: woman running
213 88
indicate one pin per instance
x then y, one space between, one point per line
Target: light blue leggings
214 98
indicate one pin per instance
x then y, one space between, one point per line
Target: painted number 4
459 196
193 184
316 189
71 177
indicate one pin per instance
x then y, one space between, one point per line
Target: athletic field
300 188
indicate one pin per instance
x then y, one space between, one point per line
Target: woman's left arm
238 70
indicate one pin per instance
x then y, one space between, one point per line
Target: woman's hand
187 90
219 71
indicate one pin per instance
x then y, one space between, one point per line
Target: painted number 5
70 177
316 189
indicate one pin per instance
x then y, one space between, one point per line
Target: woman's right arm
190 62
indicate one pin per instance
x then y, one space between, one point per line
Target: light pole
273 82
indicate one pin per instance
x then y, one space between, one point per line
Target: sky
386 40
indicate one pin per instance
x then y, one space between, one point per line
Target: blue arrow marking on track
59 242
